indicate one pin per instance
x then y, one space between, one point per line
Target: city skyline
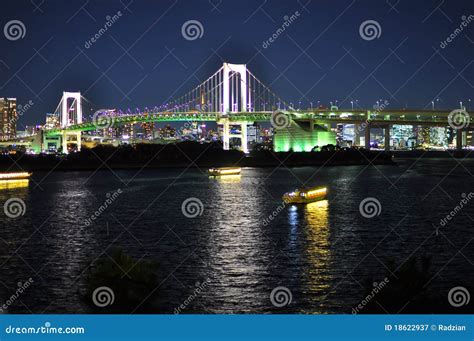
341 73
269 159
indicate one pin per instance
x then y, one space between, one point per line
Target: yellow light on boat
304 196
18 175
229 171
316 192
225 171
12 184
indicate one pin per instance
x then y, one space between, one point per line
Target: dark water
324 252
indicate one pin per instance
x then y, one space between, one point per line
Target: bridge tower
71 112
235 89
68 112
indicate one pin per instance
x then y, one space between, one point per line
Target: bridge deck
402 117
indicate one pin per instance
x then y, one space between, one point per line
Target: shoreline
201 156
86 161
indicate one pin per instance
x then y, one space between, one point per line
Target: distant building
32 130
339 134
147 128
424 136
167 132
127 132
52 121
253 133
8 118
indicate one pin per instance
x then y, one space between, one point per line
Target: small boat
224 171
305 195
15 176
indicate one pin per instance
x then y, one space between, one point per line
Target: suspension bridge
234 97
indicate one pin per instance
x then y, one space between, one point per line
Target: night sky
143 59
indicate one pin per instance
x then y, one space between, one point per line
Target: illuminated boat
305 195
224 171
15 176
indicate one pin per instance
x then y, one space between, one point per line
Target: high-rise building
148 128
167 132
253 133
8 118
127 131
52 121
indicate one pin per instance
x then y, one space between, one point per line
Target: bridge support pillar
64 142
356 141
44 142
78 141
367 136
387 137
459 139
243 138
226 134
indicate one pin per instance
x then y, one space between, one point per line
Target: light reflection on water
313 220
320 251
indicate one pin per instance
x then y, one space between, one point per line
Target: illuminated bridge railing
407 117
